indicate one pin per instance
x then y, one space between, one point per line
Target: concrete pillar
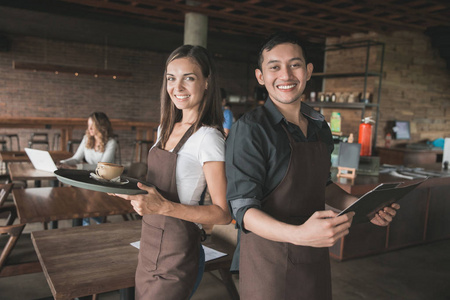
195 28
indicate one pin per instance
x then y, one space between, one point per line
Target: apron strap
291 139
180 144
185 137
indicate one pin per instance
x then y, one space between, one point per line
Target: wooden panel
404 156
438 226
363 239
408 227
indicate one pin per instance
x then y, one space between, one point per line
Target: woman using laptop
97 146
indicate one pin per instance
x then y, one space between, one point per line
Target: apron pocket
306 255
150 246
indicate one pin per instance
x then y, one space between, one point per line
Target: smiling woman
188 155
186 85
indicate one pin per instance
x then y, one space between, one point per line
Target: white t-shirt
91 156
206 144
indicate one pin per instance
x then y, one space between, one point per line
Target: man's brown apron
169 252
273 270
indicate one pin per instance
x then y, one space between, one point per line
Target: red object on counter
365 138
388 140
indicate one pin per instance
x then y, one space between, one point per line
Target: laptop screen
41 160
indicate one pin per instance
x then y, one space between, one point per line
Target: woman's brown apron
273 270
169 252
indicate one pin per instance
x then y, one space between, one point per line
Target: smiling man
278 160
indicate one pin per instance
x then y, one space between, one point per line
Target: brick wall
415 84
45 94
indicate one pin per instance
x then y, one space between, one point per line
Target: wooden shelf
341 75
355 105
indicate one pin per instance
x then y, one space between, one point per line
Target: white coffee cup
108 171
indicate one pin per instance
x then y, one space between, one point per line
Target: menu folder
373 201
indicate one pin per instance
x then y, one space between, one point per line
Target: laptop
41 160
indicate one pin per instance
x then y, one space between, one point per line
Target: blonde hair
104 130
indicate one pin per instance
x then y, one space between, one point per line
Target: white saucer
116 180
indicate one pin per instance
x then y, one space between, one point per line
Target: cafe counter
422 218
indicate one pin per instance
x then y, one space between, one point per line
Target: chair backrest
227 233
25 261
118 154
137 170
5 189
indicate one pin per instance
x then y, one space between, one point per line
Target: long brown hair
104 130
210 108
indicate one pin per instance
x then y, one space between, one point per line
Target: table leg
77 222
127 294
54 224
228 281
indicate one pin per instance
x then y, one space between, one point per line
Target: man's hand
322 229
386 215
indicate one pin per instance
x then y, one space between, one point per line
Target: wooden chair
223 238
4 193
38 139
17 252
118 154
11 136
71 143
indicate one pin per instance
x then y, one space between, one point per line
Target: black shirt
257 153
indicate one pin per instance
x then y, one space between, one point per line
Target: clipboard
383 195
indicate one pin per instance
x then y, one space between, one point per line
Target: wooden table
88 260
21 156
82 261
26 171
47 204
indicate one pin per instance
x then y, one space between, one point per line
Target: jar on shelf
321 97
333 97
312 96
351 98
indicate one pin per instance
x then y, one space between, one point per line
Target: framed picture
401 130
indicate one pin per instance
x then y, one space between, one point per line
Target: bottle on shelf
351 98
312 96
365 136
335 122
322 97
350 138
333 97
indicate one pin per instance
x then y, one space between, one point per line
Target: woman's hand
386 215
148 204
66 166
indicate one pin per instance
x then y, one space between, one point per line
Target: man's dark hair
277 39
